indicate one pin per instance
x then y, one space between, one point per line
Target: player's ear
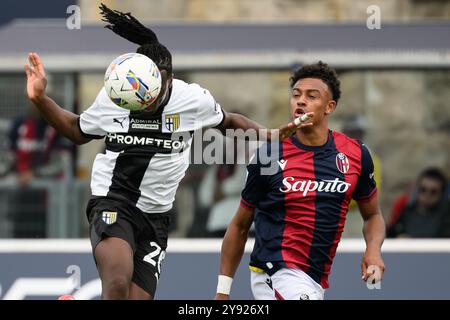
331 106
171 80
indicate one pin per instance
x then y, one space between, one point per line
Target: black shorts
146 233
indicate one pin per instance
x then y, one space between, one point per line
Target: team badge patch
109 217
342 163
304 296
172 122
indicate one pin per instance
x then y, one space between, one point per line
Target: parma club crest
109 217
172 122
342 163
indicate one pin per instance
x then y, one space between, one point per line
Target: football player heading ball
134 182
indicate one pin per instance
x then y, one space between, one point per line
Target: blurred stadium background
395 84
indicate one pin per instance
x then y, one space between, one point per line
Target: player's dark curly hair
128 27
320 71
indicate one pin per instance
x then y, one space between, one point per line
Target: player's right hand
372 266
36 80
221 296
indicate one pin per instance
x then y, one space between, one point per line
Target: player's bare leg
137 293
114 258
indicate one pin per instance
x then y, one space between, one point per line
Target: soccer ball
133 81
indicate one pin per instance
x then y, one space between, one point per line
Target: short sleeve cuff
368 197
221 120
89 136
246 204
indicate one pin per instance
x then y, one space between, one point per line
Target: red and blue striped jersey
300 196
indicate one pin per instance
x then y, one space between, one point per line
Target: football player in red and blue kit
299 209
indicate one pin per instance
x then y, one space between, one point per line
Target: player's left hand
288 130
221 296
372 266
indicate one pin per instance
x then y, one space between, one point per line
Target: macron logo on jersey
282 163
306 186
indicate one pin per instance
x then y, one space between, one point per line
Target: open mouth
299 112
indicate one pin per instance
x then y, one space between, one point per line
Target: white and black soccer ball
133 81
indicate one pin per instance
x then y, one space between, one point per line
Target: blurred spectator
220 191
427 212
356 127
400 204
33 145
221 188
195 223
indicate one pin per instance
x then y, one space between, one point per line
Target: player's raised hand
36 80
372 267
221 296
287 130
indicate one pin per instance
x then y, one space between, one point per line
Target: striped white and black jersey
147 154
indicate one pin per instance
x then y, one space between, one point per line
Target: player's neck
315 136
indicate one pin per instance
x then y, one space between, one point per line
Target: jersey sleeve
255 184
366 188
95 121
209 113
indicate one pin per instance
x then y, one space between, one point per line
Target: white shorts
285 284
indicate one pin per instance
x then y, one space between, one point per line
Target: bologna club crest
342 163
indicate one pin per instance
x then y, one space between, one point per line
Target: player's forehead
308 84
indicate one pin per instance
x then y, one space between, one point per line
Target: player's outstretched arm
233 246
65 122
238 121
372 264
